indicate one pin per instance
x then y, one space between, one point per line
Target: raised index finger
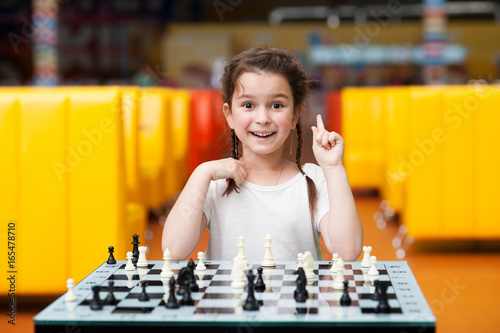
319 121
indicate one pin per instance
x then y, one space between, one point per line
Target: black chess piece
186 296
144 297
193 286
345 300
260 286
172 301
383 303
181 279
111 259
300 294
135 251
377 293
96 303
251 303
110 299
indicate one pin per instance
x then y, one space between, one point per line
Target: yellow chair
99 213
424 197
362 131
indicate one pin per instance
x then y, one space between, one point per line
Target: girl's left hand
328 147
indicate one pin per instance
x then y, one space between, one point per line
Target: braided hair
270 60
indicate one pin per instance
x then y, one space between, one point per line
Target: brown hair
270 60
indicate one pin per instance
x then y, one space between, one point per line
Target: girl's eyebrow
246 96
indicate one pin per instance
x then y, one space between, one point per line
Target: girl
258 190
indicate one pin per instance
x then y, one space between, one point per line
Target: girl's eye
247 105
276 106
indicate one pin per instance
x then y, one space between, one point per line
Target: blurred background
106 107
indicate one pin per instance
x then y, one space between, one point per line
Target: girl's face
261 112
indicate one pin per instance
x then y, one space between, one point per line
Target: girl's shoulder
314 172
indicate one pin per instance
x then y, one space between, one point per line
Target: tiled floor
458 280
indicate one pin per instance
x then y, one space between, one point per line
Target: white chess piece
130 282
373 268
366 257
335 259
299 261
308 265
201 265
268 257
241 250
338 283
142 262
129 266
238 273
166 271
70 295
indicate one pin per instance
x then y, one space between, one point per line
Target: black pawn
181 281
110 299
96 303
260 286
186 296
111 259
345 300
383 303
143 297
172 301
251 303
135 251
377 293
193 286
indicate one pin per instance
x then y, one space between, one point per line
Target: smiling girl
258 190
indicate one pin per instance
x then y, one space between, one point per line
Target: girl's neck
259 163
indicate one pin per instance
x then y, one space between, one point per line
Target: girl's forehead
262 84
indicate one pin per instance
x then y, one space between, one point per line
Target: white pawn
373 269
166 271
366 257
299 261
268 257
129 266
238 274
70 295
241 250
308 265
201 265
338 283
335 259
142 261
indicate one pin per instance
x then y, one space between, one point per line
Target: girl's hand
328 147
227 168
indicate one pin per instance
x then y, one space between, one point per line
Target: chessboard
218 307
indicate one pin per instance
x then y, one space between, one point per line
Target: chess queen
263 187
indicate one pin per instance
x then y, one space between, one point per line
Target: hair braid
231 186
311 187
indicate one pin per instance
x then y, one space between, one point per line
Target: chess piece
338 283
366 256
181 279
383 303
260 286
70 295
193 286
144 297
241 250
142 262
268 257
130 265
166 270
186 296
373 268
251 303
307 260
172 301
345 300
299 261
201 265
300 294
110 299
135 250
377 292
238 274
130 282
111 259
335 258
96 303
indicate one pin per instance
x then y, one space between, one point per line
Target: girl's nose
262 115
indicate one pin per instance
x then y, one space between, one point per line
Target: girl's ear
229 116
296 117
